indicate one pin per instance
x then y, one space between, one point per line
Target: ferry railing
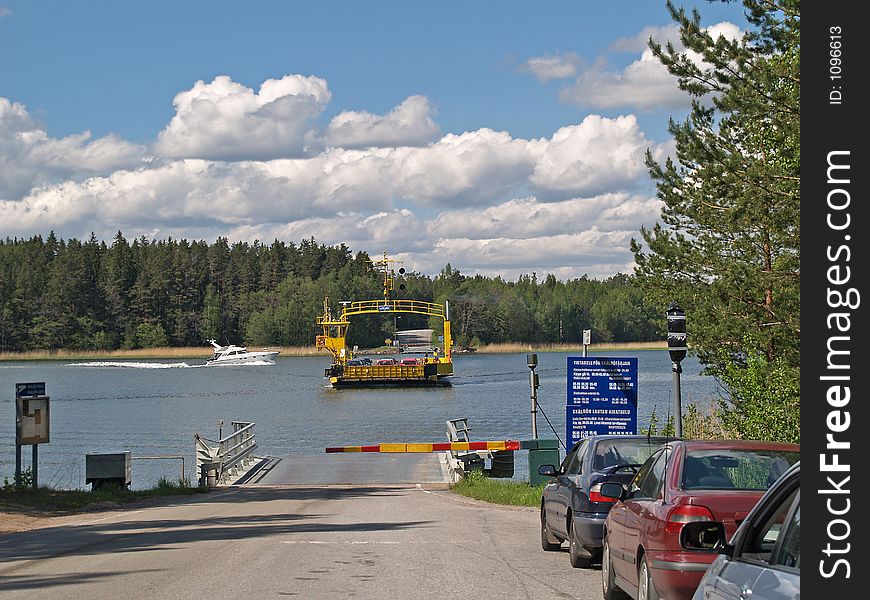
228 457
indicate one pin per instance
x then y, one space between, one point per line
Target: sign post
31 424
602 397
587 339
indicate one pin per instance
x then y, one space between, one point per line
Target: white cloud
224 120
645 84
559 66
483 200
409 124
529 217
30 158
592 157
640 41
4 12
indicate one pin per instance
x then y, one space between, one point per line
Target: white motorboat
239 355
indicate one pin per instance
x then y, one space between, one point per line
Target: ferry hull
390 375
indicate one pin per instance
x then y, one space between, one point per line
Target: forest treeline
88 295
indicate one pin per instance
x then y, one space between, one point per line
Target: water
154 408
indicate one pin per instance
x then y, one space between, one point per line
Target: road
344 541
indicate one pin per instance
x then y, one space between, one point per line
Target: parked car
764 557
572 507
410 361
682 482
386 361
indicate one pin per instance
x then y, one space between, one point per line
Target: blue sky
503 137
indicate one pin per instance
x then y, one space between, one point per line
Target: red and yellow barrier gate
441 447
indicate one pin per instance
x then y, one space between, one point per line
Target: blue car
763 560
572 508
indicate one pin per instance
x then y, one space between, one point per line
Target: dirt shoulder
16 518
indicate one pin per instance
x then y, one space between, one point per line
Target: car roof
738 445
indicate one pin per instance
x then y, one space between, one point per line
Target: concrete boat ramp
351 469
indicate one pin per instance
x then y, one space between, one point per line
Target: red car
684 481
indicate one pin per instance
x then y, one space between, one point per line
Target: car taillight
686 513
595 495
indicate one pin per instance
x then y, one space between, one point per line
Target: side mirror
613 490
547 470
703 535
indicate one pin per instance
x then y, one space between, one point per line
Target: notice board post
31 424
602 397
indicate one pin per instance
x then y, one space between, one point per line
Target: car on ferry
714 482
386 361
411 362
572 508
362 361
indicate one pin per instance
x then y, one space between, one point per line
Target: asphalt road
304 542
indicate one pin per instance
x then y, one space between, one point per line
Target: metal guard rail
217 464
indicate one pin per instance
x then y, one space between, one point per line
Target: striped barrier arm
439 447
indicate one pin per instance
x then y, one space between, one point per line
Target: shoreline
302 351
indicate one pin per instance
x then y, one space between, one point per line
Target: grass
50 502
515 493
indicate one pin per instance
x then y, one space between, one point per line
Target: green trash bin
541 452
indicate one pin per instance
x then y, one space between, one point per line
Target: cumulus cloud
224 120
596 155
558 66
645 84
483 200
30 158
411 123
640 41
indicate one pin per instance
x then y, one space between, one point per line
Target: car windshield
735 469
609 453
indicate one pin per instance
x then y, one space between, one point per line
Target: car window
759 545
734 469
635 486
571 457
789 553
652 484
609 453
572 464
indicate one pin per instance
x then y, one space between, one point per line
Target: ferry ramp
352 469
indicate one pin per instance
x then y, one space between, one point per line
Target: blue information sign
602 397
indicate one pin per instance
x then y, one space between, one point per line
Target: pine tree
728 247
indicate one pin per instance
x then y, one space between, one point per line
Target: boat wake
135 365
252 363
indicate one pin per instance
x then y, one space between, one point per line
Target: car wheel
580 558
645 588
608 577
549 542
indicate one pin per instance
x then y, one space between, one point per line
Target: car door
623 516
568 479
638 510
766 560
553 497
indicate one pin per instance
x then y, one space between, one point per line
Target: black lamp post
532 361
677 350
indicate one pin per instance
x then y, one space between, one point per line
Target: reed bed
515 348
